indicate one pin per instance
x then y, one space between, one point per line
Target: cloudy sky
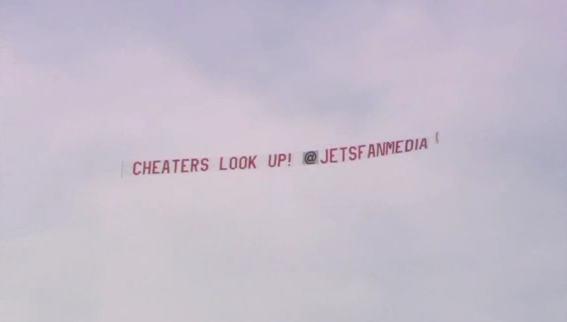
472 229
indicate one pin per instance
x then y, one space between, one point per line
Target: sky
472 229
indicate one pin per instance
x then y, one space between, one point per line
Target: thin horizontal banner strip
332 155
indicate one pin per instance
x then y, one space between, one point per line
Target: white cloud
452 233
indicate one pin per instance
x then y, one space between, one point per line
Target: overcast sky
472 229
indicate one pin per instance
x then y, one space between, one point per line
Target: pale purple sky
472 230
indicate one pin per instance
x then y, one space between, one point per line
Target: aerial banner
184 165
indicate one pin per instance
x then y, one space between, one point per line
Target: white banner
338 154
